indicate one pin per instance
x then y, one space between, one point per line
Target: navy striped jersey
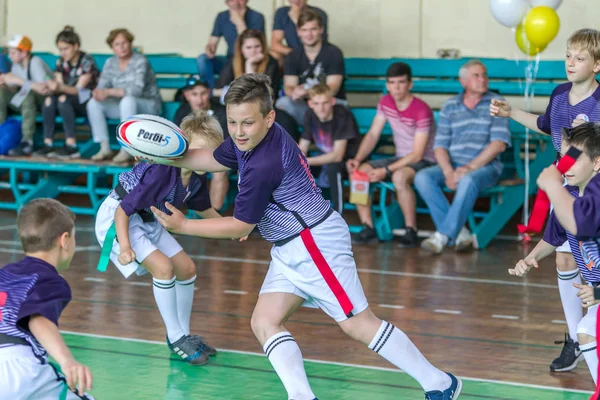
585 246
30 287
153 185
560 113
275 171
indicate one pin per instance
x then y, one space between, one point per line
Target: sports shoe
435 243
409 239
464 240
366 235
569 356
199 341
451 393
44 151
102 155
66 152
23 149
122 157
189 351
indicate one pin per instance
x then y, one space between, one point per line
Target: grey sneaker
199 341
186 348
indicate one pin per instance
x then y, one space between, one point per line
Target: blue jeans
208 67
450 219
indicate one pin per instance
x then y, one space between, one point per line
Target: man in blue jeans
467 149
228 24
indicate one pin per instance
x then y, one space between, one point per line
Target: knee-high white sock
570 302
393 345
185 299
285 356
166 300
591 358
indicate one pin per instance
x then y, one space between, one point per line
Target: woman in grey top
127 86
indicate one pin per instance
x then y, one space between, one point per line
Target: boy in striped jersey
312 261
32 297
571 104
142 245
576 219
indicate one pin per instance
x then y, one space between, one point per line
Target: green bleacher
31 178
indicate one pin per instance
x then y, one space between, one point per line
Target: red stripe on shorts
326 272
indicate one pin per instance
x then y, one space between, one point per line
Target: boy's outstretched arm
542 250
79 377
502 108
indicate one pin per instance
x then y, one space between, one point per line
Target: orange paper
359 189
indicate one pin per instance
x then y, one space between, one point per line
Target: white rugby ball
152 138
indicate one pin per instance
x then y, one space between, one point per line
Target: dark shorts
384 162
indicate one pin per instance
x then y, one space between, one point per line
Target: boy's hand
244 238
126 255
550 176
500 108
522 267
174 222
377 175
352 165
586 294
79 377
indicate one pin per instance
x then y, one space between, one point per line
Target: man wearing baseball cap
24 89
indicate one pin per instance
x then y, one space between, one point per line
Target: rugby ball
152 138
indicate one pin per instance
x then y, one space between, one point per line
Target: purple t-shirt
153 185
585 246
560 113
274 172
30 287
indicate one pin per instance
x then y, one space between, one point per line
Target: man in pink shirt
413 127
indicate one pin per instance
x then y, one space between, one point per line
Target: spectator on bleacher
285 26
196 97
228 24
251 56
4 63
24 88
467 147
76 75
127 86
314 62
333 129
413 129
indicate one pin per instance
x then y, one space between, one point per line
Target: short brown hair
586 39
41 222
112 35
203 126
319 89
309 15
587 136
251 88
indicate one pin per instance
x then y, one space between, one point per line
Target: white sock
166 300
185 299
393 345
285 356
591 358
570 302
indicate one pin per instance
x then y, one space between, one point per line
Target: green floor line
125 369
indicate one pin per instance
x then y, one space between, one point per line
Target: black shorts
384 162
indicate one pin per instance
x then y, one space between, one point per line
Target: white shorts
587 325
293 270
145 237
23 376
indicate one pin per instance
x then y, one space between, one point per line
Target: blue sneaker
188 350
451 393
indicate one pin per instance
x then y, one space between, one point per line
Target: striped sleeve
500 130
443 136
424 118
554 234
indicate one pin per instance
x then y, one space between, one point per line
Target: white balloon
554 4
509 13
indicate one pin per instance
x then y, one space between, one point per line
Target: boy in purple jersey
143 245
571 104
32 297
312 261
576 218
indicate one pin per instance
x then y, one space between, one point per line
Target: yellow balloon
541 25
524 44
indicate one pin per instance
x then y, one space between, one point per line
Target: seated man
413 127
24 88
467 148
228 24
314 62
334 131
196 96
285 26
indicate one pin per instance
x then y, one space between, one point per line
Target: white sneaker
435 243
464 240
102 155
122 157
